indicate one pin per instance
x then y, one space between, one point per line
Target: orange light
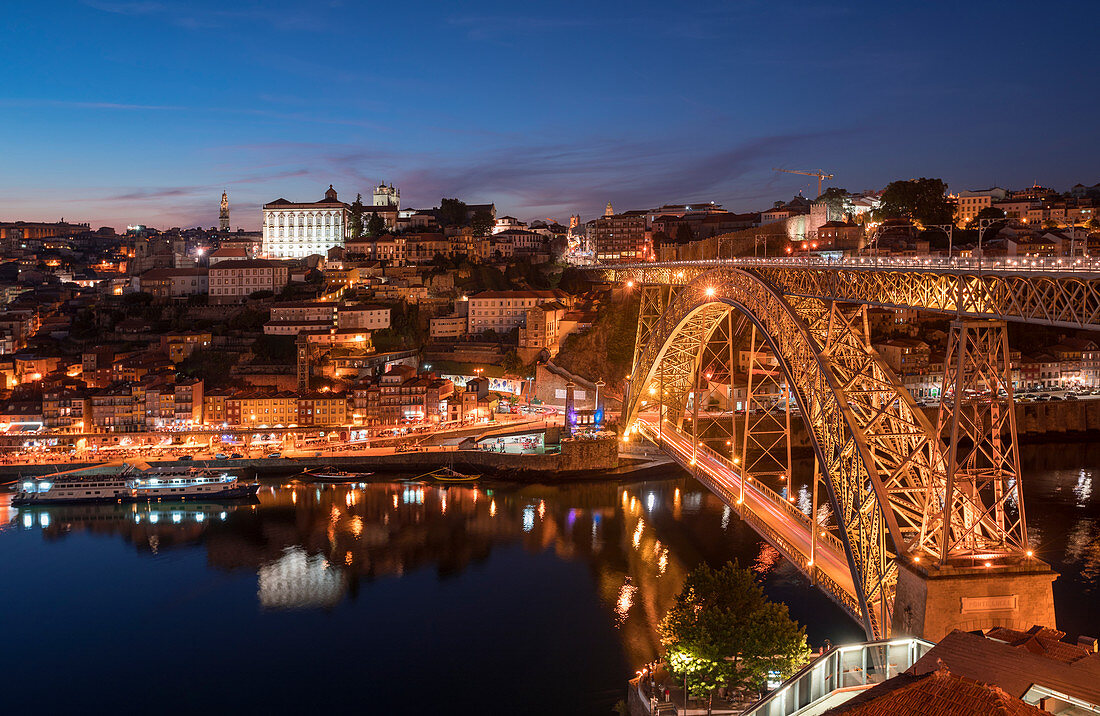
1030 553
710 290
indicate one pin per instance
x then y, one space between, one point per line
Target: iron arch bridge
899 486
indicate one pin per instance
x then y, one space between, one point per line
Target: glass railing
839 674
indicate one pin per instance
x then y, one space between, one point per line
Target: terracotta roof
1016 668
938 692
246 264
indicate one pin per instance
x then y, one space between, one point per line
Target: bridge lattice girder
1065 299
877 450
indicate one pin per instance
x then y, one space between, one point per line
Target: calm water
406 598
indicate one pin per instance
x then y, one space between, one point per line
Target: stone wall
577 457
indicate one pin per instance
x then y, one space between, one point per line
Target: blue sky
142 111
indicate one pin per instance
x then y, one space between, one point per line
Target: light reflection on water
314 548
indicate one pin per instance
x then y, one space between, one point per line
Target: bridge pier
932 600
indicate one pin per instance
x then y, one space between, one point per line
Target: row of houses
164 401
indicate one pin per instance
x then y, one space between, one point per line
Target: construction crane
820 176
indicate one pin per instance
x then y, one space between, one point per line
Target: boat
447 474
133 484
327 474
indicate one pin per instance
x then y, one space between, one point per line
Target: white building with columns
292 231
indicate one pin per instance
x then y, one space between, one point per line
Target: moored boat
447 474
133 485
329 475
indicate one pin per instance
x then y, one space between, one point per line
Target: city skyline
150 109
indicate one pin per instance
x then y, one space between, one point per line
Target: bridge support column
977 570
933 600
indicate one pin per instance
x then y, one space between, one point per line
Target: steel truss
876 449
1046 297
983 491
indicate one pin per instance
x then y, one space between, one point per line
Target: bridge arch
882 461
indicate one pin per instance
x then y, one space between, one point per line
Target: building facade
235 281
297 230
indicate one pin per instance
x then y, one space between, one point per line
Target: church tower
223 215
609 211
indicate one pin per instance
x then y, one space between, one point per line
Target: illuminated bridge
921 525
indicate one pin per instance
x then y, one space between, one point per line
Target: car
236 456
221 456
1071 396
273 455
1025 399
1056 397
185 458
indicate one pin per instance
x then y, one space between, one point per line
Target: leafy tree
1094 223
837 201
260 295
723 631
684 234
452 212
990 212
355 222
923 200
482 223
376 225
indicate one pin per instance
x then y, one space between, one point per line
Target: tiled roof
937 692
1016 668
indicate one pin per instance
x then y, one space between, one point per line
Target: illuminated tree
723 631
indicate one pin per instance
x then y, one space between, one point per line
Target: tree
482 223
376 225
355 221
452 212
684 234
923 200
837 201
723 631
513 363
990 212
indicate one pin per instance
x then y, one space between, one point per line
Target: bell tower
223 215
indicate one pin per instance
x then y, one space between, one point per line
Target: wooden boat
327 474
447 474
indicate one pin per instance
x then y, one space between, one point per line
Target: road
827 558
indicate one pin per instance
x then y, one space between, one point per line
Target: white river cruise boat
133 485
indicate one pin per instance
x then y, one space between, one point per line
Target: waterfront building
322 409
297 230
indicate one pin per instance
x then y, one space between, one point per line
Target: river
412 598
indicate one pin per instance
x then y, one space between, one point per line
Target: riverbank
577 459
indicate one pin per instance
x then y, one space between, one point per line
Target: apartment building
371 317
502 311
174 283
235 281
323 409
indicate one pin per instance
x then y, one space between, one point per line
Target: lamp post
948 229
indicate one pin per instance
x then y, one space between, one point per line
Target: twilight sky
142 111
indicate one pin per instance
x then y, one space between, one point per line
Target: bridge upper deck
1050 291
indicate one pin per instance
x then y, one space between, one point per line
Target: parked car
221 456
186 457
1071 396
273 455
236 456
